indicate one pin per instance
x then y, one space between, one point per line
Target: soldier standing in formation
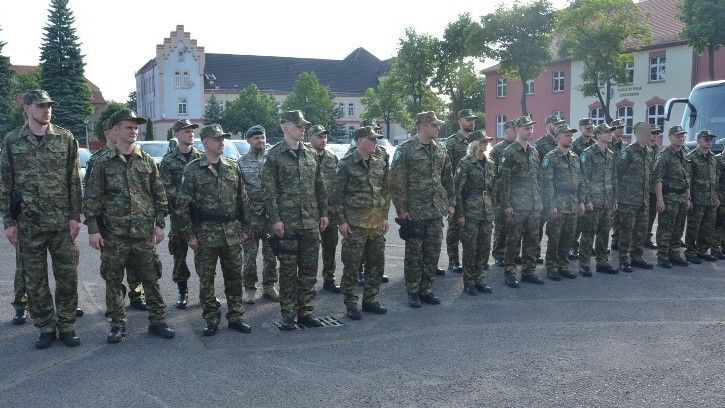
326 163
296 205
702 169
499 221
361 200
474 214
40 202
214 220
521 201
456 146
616 146
672 190
251 165
652 213
125 191
421 185
562 195
171 169
586 127
599 178
719 250
544 145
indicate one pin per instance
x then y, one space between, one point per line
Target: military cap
125 114
616 124
586 122
370 122
553 119
427 117
641 125
565 128
213 130
183 124
466 113
654 128
107 125
705 133
254 131
523 121
294 116
509 125
317 130
676 130
481 135
602 127
367 131
36 96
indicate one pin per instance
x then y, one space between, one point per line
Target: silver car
154 148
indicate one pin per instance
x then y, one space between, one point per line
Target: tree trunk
711 62
524 111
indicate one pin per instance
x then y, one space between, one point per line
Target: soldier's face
705 143
587 131
257 142
214 145
467 125
294 131
39 113
605 137
319 142
525 133
678 140
564 139
618 133
433 129
644 135
185 136
365 145
510 133
551 128
126 132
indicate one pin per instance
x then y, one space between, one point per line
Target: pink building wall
700 70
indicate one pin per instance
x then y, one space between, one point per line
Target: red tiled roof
96 95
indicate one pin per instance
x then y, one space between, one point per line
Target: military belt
213 216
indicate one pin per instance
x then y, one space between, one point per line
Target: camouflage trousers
542 221
178 249
615 227
230 259
632 231
298 259
499 234
47 311
651 216
700 235
720 220
476 241
362 245
132 254
596 223
523 225
328 241
20 298
560 232
670 227
421 256
269 263
453 237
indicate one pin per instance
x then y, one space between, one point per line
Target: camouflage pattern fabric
701 234
634 173
456 146
327 163
670 170
499 222
721 195
599 187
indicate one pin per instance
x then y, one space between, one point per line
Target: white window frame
626 115
657 68
597 116
658 117
183 107
351 110
177 79
500 122
501 88
351 132
530 87
559 114
558 81
629 66
342 109
185 79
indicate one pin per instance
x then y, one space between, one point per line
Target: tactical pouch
273 242
407 229
16 199
287 245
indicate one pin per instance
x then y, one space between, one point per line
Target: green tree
22 82
385 103
62 73
703 20
149 129
249 108
6 92
414 68
470 93
132 101
522 37
111 108
601 34
338 132
313 99
213 112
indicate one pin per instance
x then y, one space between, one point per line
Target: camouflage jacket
495 154
171 169
46 175
671 172
456 147
326 165
655 155
634 174
421 182
360 195
544 145
599 177
519 179
92 160
293 189
474 184
212 204
560 181
616 147
580 144
721 176
250 164
127 195
702 169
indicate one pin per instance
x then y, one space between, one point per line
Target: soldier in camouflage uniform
544 145
171 169
326 162
39 170
456 146
421 185
586 127
499 221
521 201
672 189
251 166
563 202
634 173
360 201
599 179
125 191
474 212
296 204
213 216
702 169
719 250
652 214
616 146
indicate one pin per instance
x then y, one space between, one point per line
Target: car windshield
709 104
155 149
384 142
84 155
339 149
230 151
242 146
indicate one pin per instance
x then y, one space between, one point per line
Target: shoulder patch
397 154
623 155
546 162
583 158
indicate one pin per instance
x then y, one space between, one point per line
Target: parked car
704 110
230 151
339 149
241 145
155 148
384 144
83 155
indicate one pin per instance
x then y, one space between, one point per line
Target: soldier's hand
278 229
660 206
386 227
96 241
509 212
461 222
193 244
159 234
243 238
553 213
11 233
614 208
344 230
451 210
582 209
324 222
75 228
590 207
689 205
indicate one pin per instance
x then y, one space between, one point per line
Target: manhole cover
327 321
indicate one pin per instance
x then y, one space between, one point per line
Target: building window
626 115
657 68
185 80
530 87
177 79
656 115
559 114
182 106
558 81
351 132
630 72
351 110
500 122
342 109
597 115
500 88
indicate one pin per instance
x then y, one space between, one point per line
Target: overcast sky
119 37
